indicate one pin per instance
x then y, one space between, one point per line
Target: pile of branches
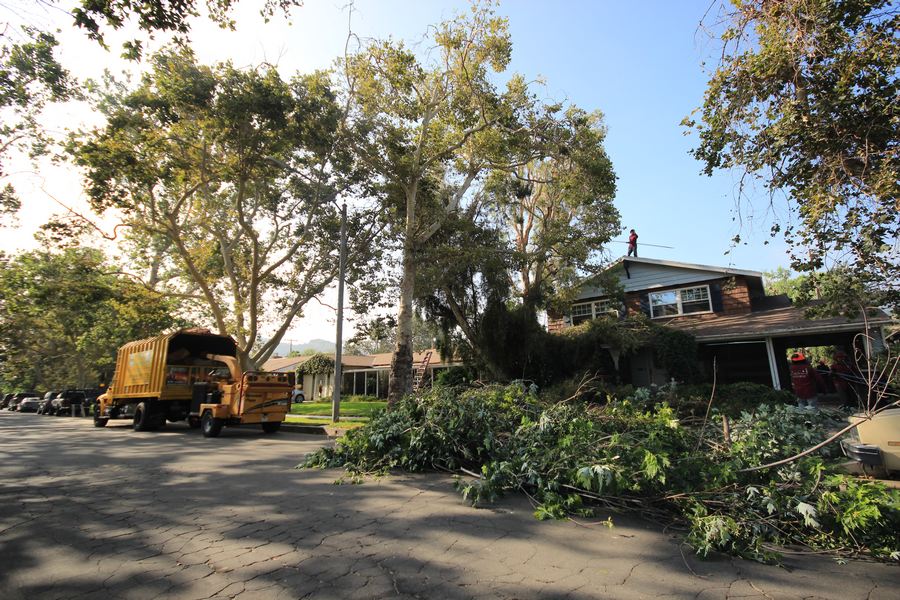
574 458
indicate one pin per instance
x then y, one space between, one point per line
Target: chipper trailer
192 375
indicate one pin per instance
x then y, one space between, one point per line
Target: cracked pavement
111 513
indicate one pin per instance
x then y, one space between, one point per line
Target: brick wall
555 324
735 295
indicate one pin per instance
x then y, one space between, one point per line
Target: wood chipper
192 374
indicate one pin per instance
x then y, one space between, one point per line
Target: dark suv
44 408
63 403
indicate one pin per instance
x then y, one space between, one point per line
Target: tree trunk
401 364
493 370
245 361
81 372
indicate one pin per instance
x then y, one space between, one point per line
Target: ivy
317 364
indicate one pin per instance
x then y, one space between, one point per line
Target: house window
585 311
685 301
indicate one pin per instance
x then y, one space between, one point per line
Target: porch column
376 384
354 383
773 363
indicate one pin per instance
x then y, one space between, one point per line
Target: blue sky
640 63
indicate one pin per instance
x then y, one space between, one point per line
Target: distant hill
285 348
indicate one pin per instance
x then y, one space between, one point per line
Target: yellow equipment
192 374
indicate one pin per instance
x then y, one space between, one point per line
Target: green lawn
300 420
348 409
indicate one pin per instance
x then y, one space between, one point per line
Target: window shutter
715 296
645 304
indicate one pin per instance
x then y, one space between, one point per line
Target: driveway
111 513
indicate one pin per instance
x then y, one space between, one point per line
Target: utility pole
338 344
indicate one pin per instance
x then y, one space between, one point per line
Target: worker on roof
632 243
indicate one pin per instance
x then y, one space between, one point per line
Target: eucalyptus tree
225 183
530 233
556 210
437 124
806 98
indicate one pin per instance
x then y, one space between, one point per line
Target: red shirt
632 239
803 380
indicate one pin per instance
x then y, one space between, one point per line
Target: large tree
806 98
64 314
437 123
557 210
528 236
225 181
32 74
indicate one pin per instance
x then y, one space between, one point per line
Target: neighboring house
740 329
362 375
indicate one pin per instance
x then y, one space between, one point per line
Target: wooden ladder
421 370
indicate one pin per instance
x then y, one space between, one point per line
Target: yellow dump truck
192 375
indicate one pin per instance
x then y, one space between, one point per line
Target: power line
643 244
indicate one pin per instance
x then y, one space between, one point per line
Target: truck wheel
193 422
271 427
143 420
210 425
100 421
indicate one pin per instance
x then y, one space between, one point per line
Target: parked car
14 402
62 404
297 396
44 408
29 404
4 402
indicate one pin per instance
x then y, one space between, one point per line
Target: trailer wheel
210 425
271 427
193 422
143 420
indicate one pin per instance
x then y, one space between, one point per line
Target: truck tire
193 422
210 425
100 421
271 427
143 420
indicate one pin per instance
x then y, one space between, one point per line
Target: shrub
455 376
731 399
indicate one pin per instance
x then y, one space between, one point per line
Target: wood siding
641 277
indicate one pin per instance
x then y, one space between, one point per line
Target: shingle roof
684 265
776 322
372 361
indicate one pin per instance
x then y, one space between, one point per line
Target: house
738 328
362 375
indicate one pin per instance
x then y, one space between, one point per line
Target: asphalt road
111 513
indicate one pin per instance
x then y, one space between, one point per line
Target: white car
29 404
